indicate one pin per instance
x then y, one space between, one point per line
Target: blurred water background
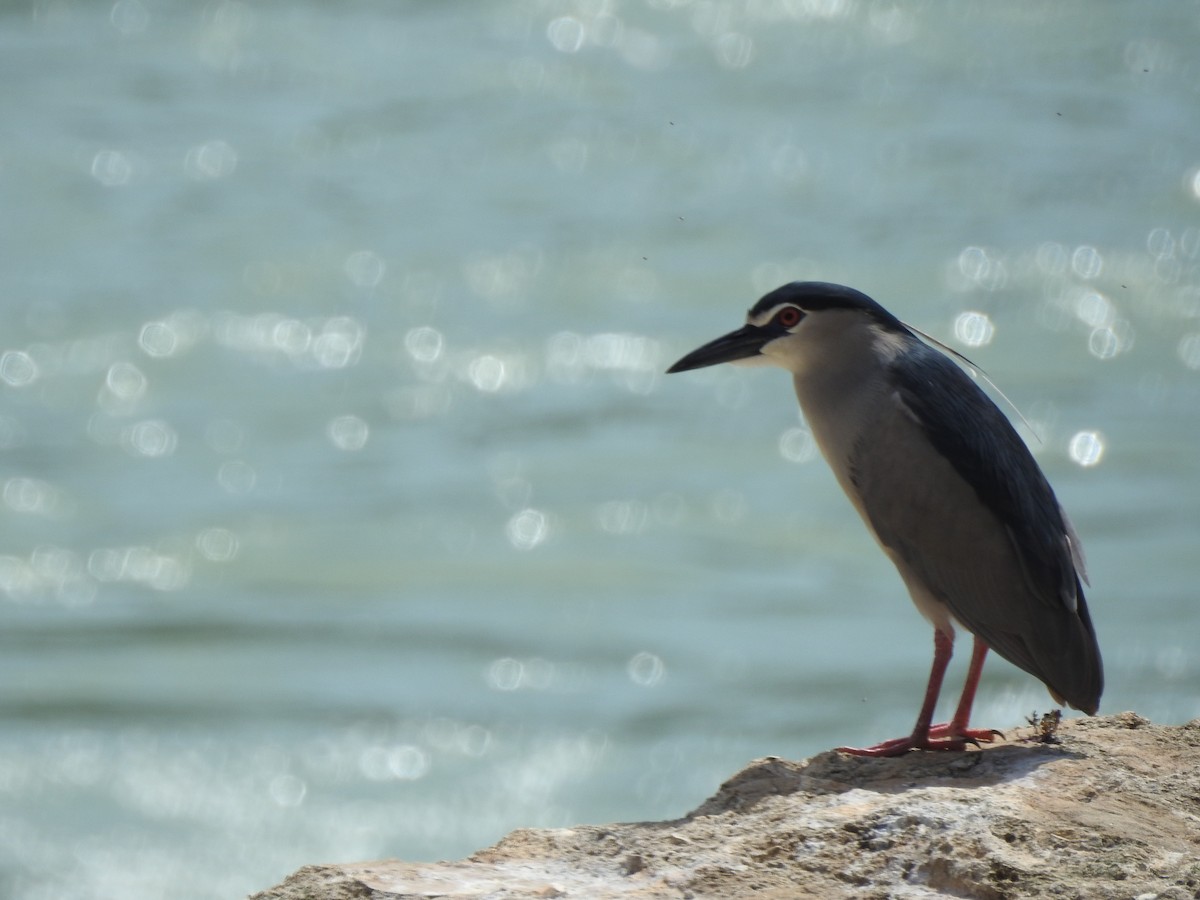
345 510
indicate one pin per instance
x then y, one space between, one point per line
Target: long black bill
741 344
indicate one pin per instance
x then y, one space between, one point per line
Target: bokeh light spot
533 674
158 339
348 432
407 762
365 269
1159 243
1114 339
30 495
645 669
112 168
734 50
1086 448
797 445
63 573
287 790
210 161
17 368
129 17
1189 350
140 565
150 438
982 269
975 329
237 476
17 580
503 277
566 34
513 491
1086 262
622 516
1052 258
125 381
487 373
527 529
292 336
729 506
339 344
217 544
504 674
604 30
424 344
1095 309
642 50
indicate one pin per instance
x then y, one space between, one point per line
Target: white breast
849 405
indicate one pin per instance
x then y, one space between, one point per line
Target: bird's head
792 324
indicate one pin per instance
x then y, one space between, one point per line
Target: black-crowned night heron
944 483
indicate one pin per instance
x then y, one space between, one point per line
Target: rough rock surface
1111 810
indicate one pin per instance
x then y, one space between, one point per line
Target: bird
945 485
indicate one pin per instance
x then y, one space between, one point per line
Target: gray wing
965 506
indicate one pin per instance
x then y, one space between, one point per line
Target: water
346 512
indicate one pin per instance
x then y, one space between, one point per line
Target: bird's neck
843 394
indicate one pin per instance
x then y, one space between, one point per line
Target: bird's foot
939 737
970 735
900 746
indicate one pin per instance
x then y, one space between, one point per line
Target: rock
1110 809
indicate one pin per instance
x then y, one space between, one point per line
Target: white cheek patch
774 351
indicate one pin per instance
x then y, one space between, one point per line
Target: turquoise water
345 511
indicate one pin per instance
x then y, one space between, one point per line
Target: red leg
943 649
952 735
957 727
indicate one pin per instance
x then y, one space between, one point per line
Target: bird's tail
1069 657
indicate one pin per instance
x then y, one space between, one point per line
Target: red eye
788 317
